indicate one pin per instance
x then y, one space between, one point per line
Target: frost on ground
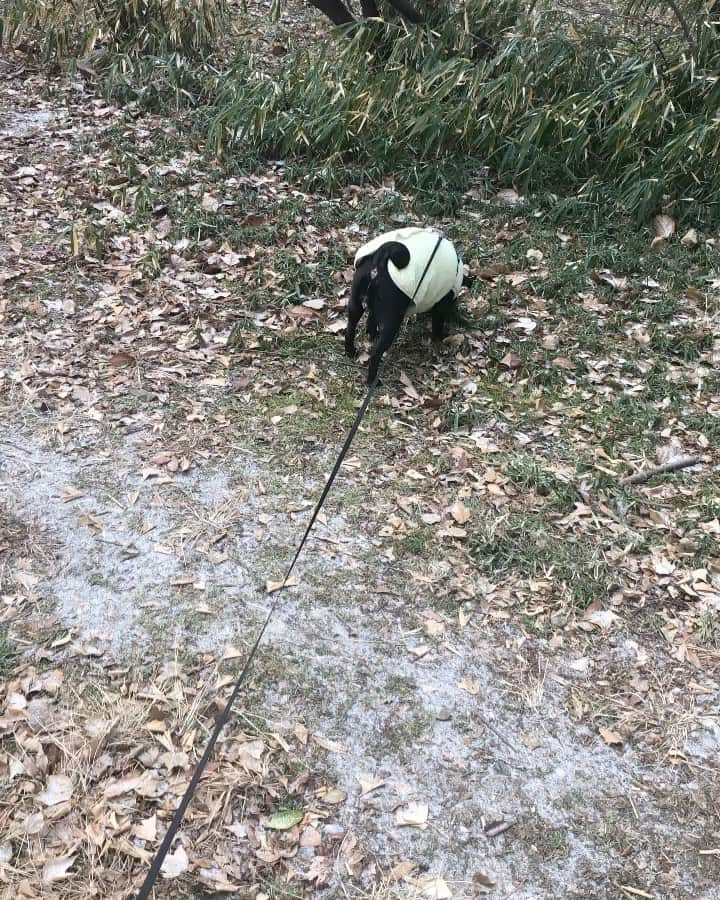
453 756
497 673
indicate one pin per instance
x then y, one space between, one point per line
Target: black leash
221 721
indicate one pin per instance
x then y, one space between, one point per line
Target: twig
498 734
680 462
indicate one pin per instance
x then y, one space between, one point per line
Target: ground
498 671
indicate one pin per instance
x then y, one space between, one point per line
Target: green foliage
63 28
542 105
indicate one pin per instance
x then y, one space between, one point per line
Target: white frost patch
148 565
22 123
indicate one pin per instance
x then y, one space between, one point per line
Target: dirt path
157 481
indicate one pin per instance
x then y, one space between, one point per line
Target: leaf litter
474 718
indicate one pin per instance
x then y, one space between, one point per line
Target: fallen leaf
511 360
327 744
331 795
401 870
616 282
434 888
285 819
611 737
147 829
175 863
663 566
534 257
471 685
690 238
413 815
57 869
58 789
603 618
408 386
310 837
370 784
664 229
272 586
460 512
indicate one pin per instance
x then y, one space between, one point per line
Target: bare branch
680 462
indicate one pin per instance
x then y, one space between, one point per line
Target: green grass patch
63 28
543 109
525 544
7 653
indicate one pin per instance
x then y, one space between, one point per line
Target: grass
132 27
599 116
525 544
7 652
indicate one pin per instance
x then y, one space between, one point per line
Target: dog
399 273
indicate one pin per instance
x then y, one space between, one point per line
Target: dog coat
444 275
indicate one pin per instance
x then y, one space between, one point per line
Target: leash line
162 851
154 871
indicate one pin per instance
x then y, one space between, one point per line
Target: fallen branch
680 462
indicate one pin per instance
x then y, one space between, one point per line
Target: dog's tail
393 252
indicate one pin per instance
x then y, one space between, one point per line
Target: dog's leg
358 291
394 309
441 312
372 325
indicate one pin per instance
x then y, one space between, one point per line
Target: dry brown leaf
611 737
433 887
249 755
367 785
310 837
616 282
664 229
511 360
460 512
57 869
327 744
603 618
147 829
471 685
413 815
272 586
332 795
409 387
58 789
401 870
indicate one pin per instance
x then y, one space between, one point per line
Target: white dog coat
444 275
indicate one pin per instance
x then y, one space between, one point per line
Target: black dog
403 272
